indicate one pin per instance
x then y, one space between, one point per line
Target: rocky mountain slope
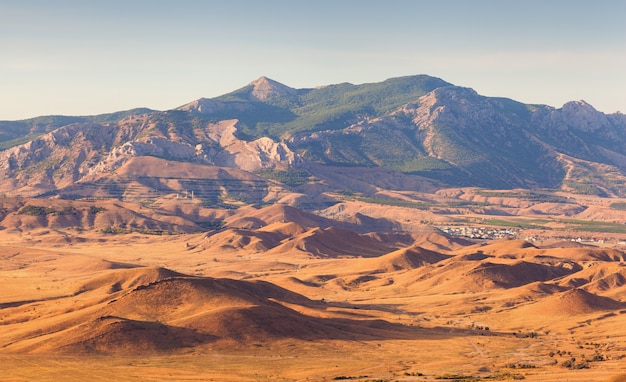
423 130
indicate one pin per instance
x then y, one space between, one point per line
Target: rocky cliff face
228 151
86 152
55 159
452 134
455 135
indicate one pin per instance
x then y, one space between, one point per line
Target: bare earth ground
291 302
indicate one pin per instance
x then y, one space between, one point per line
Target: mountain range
416 132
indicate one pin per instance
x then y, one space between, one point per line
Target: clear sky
85 57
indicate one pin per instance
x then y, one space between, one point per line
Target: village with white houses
485 233
482 232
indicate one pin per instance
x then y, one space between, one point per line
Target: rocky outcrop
210 106
262 153
155 147
87 152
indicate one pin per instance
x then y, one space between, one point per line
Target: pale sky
86 57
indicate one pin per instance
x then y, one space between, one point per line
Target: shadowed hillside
149 310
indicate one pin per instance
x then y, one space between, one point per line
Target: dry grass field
278 294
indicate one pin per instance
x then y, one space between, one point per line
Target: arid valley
407 230
277 293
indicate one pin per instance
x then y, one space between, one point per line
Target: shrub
572 365
36 210
94 210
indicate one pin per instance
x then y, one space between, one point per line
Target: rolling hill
403 230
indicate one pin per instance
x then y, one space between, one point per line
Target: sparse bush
598 358
94 210
482 309
573 365
113 230
413 374
520 366
456 377
527 335
66 211
36 210
344 377
504 376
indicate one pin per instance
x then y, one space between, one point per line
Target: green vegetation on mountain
14 133
533 196
17 141
620 206
330 107
415 125
291 177
42 211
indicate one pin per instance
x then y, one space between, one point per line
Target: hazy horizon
81 58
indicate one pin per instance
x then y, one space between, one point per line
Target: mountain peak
264 88
577 104
262 80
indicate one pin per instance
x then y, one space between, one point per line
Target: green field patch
289 177
525 195
621 206
594 226
393 202
534 224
